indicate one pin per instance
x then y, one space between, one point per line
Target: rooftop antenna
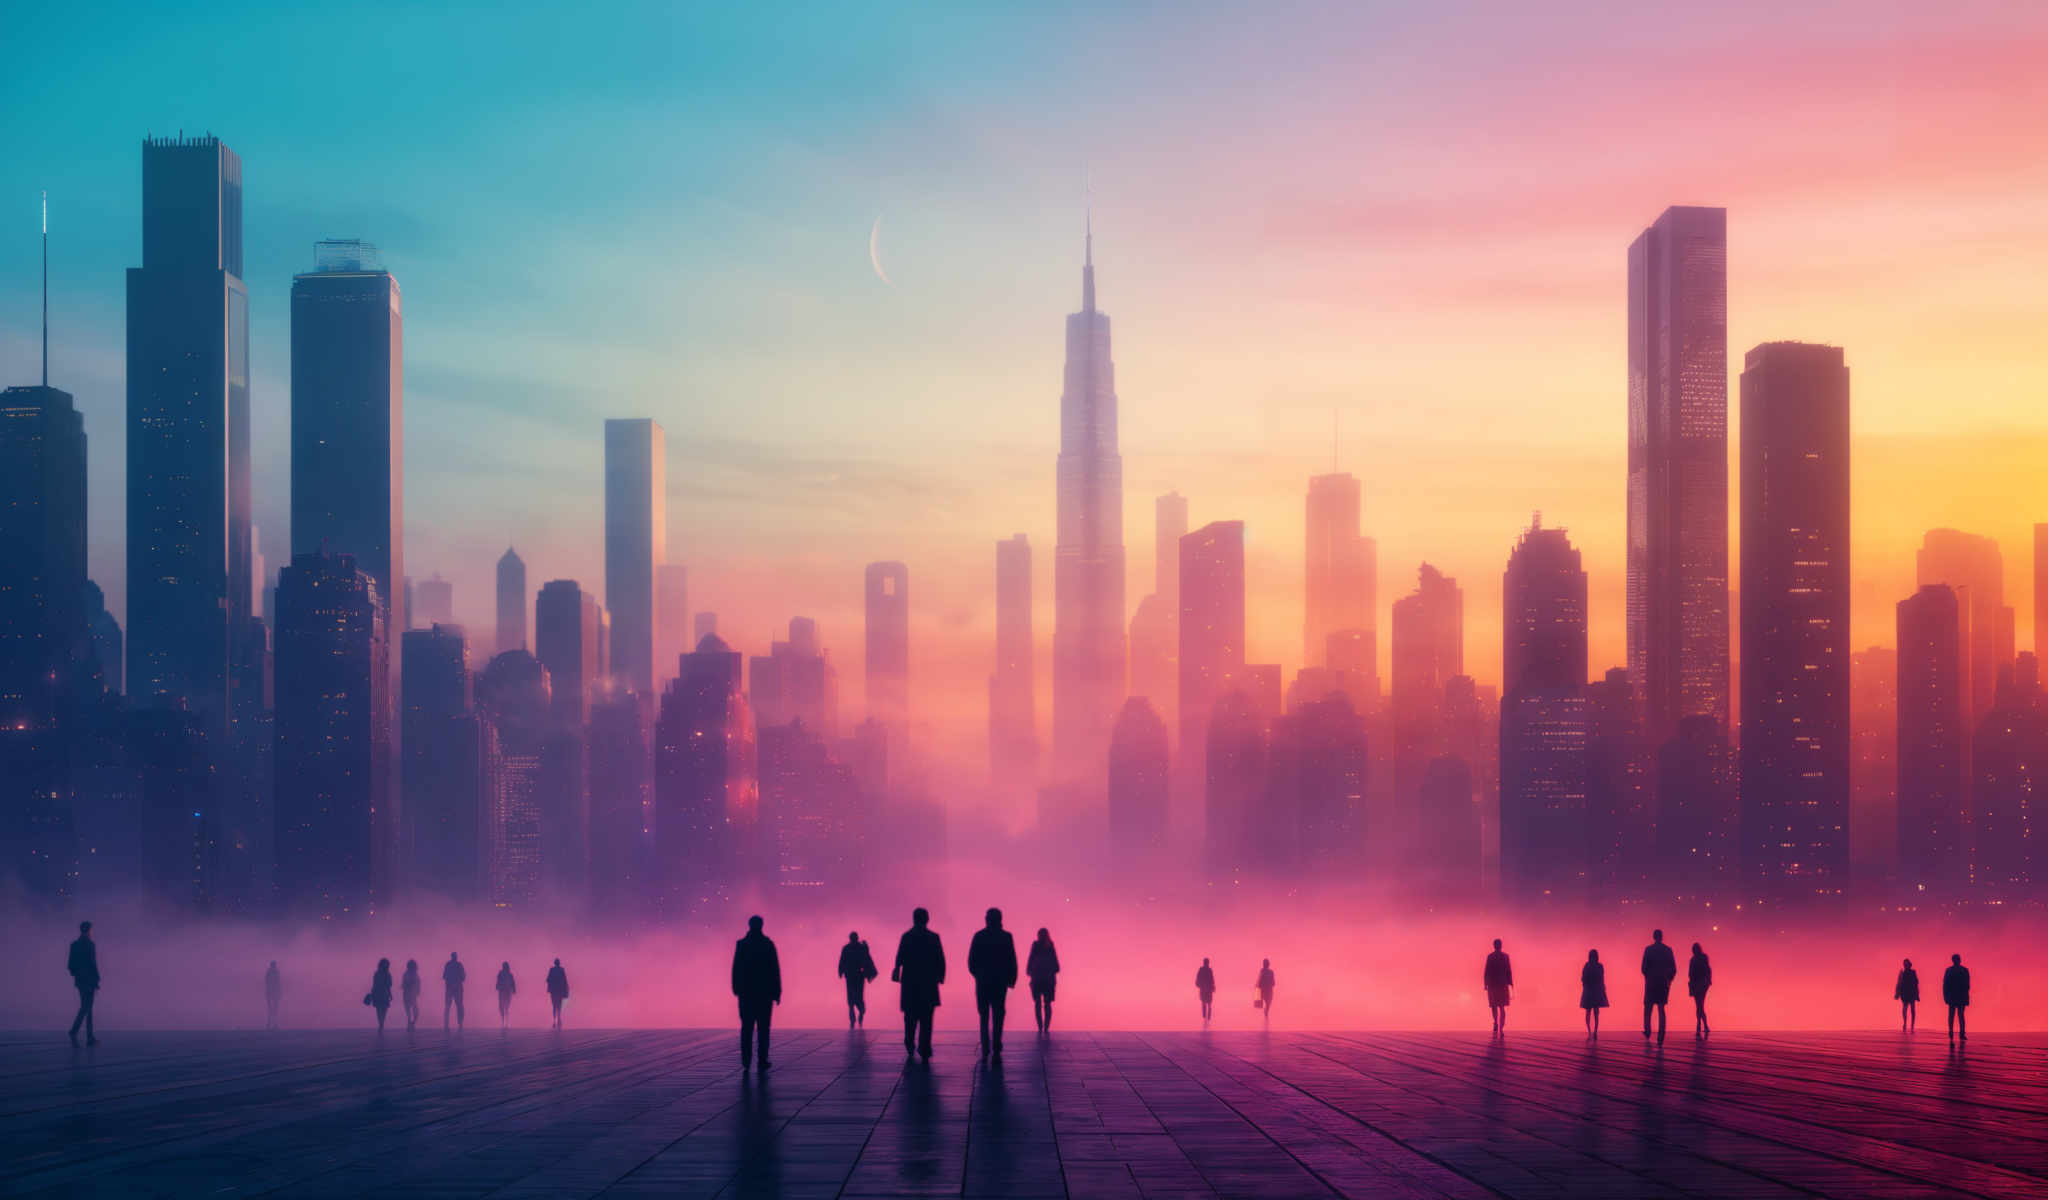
46 287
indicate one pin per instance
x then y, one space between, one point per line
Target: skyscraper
1341 566
1795 620
621 803
1678 467
1088 559
1973 566
348 420
433 603
511 602
188 432
1316 777
443 777
1544 833
1012 698
1234 776
1155 626
43 615
512 695
1212 628
635 539
565 637
888 646
1140 779
671 622
337 827
706 781
1934 845
1619 839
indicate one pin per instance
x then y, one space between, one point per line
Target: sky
1408 221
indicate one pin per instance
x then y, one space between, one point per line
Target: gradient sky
1413 217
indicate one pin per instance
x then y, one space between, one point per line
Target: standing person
1500 984
1043 969
1265 986
506 987
856 967
1699 976
558 989
273 995
1205 987
920 969
84 965
757 984
380 991
409 992
1593 991
1955 992
1660 967
992 961
1907 992
453 975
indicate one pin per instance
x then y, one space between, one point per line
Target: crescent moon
875 252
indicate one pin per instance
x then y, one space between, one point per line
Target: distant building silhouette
1235 779
337 826
1012 693
2011 764
1342 566
1212 627
105 633
1544 829
1448 846
1933 794
1619 776
635 539
513 695
1795 620
565 635
795 681
707 825
888 646
621 765
1155 626
512 602
569 639
445 773
1696 812
1974 567
1678 467
703 625
1315 818
2040 590
1088 663
1140 779
1873 764
672 637
1428 650
432 603
817 820
44 635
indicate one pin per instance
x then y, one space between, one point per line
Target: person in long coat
1955 992
558 989
856 967
506 987
920 969
1499 979
1699 976
1205 987
1660 967
757 985
1593 990
992 961
380 991
1907 992
1043 969
1265 986
409 993
84 965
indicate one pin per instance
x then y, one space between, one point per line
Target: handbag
366 998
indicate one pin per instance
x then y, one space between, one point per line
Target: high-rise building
1212 629
621 803
1428 651
706 785
1678 467
444 777
43 617
1342 564
1873 764
105 633
1316 776
635 539
1696 812
2011 763
1140 779
1544 832
1088 558
565 640
795 681
432 603
188 432
1234 775
511 602
1619 834
1973 566
512 695
348 421
1933 801
671 622
337 828
1795 620
888 645
1012 698
1155 626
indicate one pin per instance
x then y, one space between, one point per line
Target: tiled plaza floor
666 1112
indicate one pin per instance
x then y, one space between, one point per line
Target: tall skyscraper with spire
1088 559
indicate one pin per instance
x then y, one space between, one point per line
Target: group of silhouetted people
1955 993
1205 988
1660 971
454 977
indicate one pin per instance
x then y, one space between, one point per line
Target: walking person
1955 992
1265 986
1499 980
409 993
1699 976
453 975
273 995
507 986
84 965
1907 992
1660 967
857 968
992 961
1205 987
757 985
1593 991
379 997
920 969
558 989
1043 969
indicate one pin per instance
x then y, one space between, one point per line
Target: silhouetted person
757 985
1699 976
409 993
856 967
380 991
558 989
1043 969
1593 990
1265 986
507 986
992 961
453 975
84 965
273 995
920 969
1500 986
1205 987
1660 967
1907 992
1955 992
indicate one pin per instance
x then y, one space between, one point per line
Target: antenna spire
46 287
1088 255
